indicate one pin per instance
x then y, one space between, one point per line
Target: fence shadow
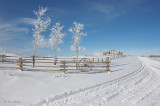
96 72
43 71
116 70
118 65
80 72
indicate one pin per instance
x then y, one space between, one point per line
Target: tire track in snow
123 89
87 93
144 90
154 82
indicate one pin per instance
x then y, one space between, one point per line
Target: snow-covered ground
131 81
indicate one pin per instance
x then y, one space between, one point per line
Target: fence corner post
55 60
1 58
107 64
21 64
63 66
33 59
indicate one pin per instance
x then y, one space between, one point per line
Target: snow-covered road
130 90
131 81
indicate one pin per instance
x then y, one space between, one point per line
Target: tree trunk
34 51
55 58
77 61
77 56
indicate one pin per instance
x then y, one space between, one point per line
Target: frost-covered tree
56 37
2 50
77 36
40 26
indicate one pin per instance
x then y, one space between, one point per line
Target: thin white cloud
113 9
56 13
110 11
28 21
11 30
17 51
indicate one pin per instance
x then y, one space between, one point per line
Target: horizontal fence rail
156 56
54 64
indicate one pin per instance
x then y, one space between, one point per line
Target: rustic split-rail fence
54 64
156 56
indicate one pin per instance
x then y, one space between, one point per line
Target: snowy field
131 81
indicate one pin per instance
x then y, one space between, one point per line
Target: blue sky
132 26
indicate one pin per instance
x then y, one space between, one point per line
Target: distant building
112 52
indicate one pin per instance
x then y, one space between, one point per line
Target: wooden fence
58 64
156 56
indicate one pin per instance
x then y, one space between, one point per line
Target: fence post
77 65
98 59
107 64
1 58
55 61
20 64
102 59
64 67
74 60
33 59
93 59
